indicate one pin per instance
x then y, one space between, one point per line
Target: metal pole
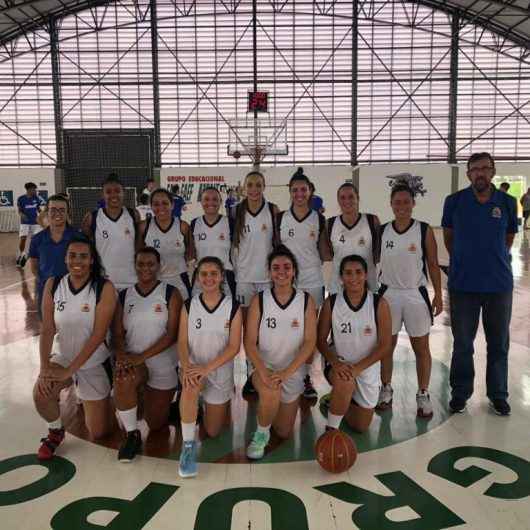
56 83
156 83
453 89
255 72
354 74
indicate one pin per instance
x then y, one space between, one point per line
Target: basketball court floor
468 470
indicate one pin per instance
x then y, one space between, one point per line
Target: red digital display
258 101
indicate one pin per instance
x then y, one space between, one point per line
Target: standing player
209 339
144 331
113 229
171 237
361 331
253 237
302 231
408 248
77 311
28 206
352 233
280 336
211 237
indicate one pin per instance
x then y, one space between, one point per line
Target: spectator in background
505 186
143 207
179 204
28 206
150 185
316 202
525 203
479 224
47 250
231 201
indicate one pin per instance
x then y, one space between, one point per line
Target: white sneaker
256 448
386 394
423 401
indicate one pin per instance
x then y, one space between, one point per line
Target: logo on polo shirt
496 212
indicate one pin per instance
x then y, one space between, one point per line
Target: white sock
334 420
188 431
129 419
57 424
264 430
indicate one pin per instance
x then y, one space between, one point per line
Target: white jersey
115 243
347 240
209 333
281 329
403 257
301 237
74 315
145 319
171 247
250 259
212 240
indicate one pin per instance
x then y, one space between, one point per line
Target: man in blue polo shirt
47 250
479 224
28 206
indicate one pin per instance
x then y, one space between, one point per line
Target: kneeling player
209 339
280 336
361 332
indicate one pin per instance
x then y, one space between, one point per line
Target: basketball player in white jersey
171 238
408 249
352 233
280 336
114 232
77 310
144 331
302 231
253 238
361 331
211 236
209 339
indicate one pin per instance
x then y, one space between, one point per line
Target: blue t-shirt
30 208
317 203
178 204
480 260
50 255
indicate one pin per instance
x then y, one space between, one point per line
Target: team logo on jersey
362 242
496 212
312 234
412 247
227 324
295 323
85 308
222 236
368 331
177 244
158 308
127 232
263 227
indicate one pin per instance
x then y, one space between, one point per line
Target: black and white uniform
145 320
115 243
250 259
403 277
354 334
347 240
172 249
208 336
74 315
301 237
281 335
214 240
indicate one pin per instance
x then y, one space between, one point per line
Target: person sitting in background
143 208
150 185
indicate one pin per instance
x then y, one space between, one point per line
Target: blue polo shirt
29 206
480 261
178 204
317 203
50 255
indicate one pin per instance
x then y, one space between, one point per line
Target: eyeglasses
56 211
480 169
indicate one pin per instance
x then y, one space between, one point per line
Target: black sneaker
130 447
22 261
18 261
248 388
501 407
457 405
309 389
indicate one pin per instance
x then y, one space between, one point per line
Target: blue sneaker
188 460
256 448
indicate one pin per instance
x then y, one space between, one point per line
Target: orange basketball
335 451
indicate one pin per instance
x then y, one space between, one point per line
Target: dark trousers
496 314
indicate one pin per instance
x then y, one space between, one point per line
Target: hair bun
299 172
